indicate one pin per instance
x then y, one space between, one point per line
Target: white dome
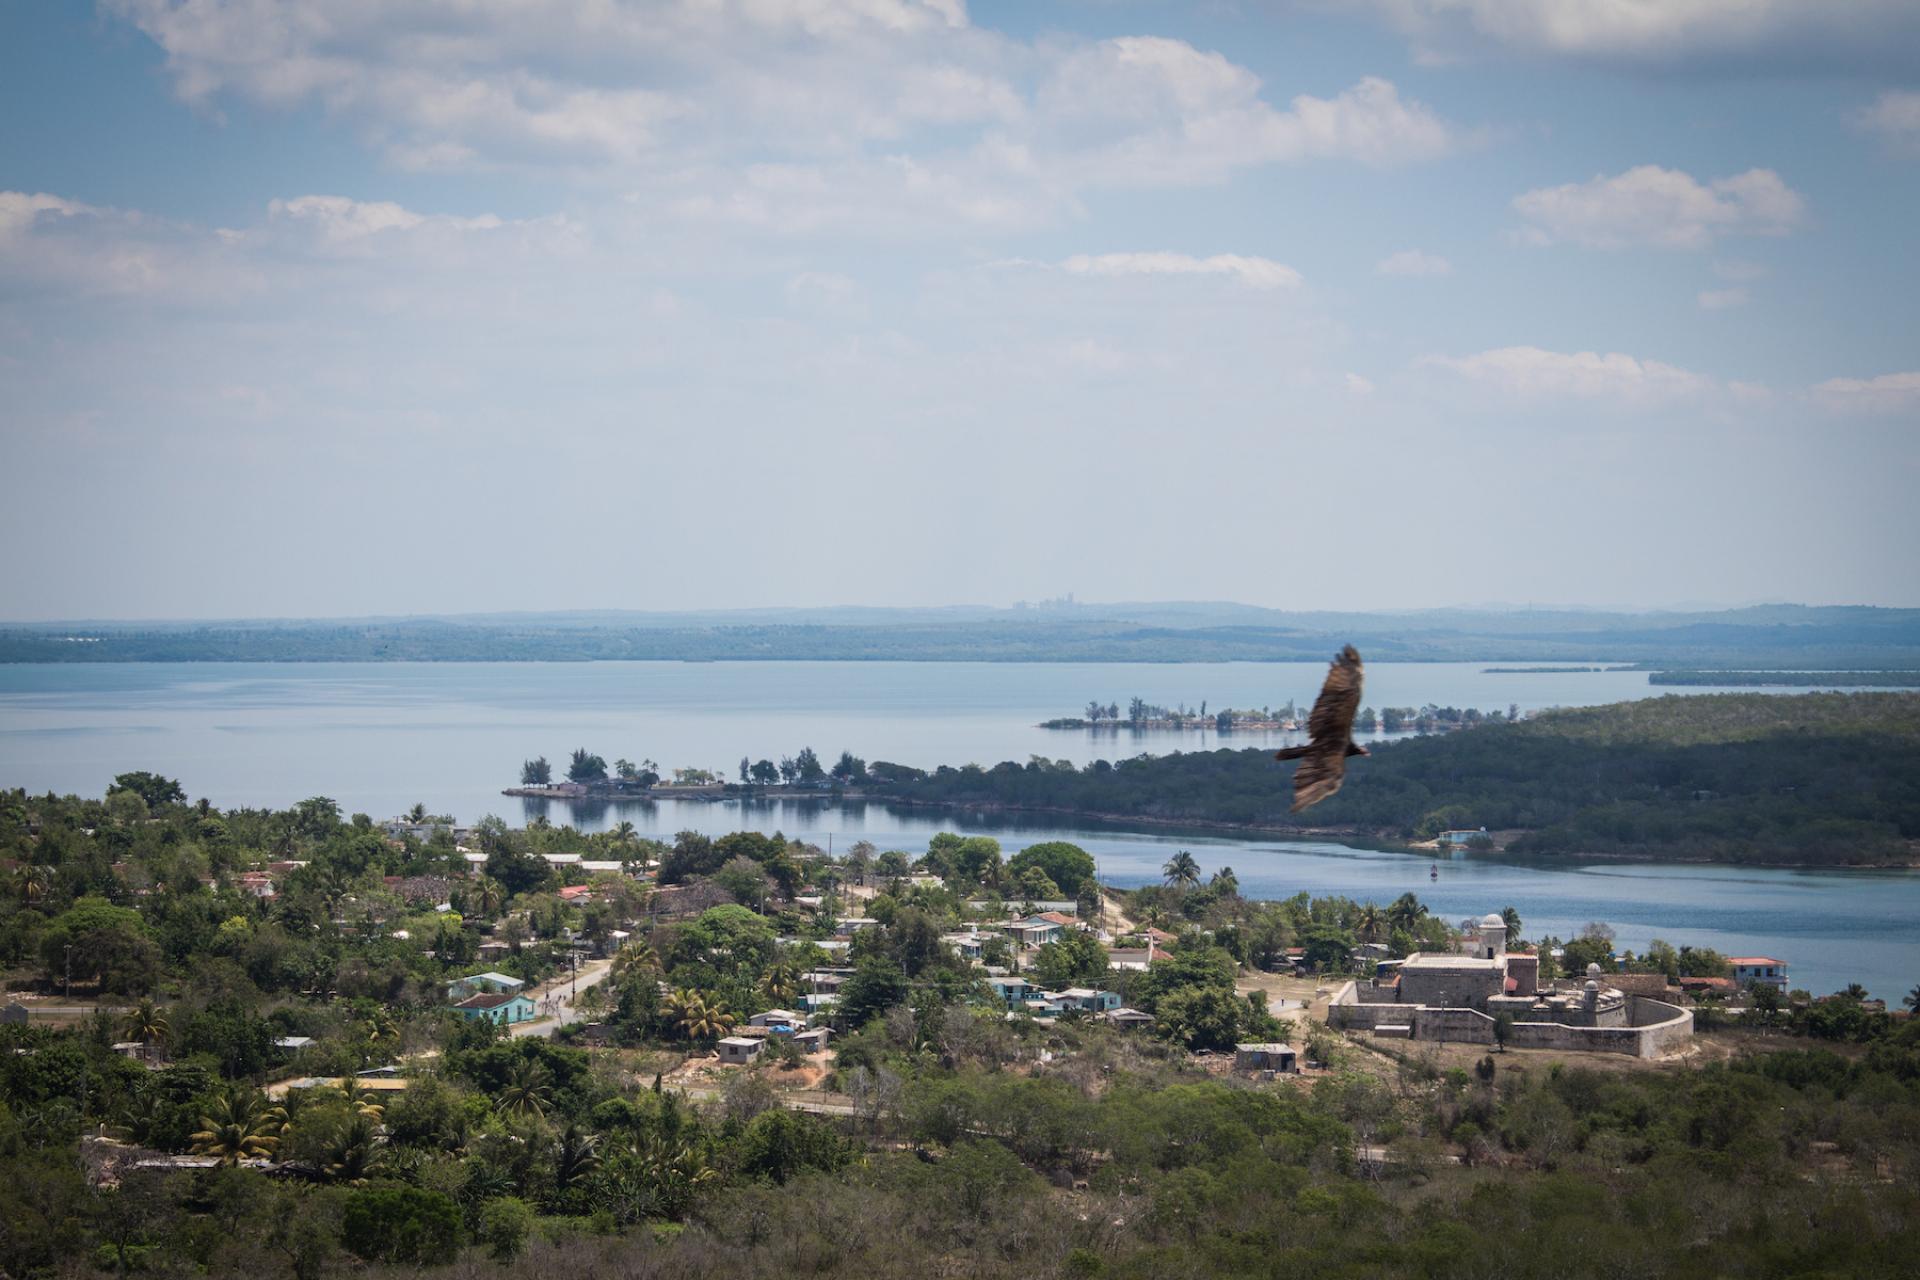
1494 920
1593 968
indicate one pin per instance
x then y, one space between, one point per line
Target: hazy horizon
1054 607
318 311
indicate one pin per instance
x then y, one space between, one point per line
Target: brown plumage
1323 761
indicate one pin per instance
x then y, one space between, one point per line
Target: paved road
554 1003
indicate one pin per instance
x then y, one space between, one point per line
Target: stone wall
1656 1027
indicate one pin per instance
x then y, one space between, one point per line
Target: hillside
1779 636
1826 779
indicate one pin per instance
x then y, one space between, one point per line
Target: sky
341 307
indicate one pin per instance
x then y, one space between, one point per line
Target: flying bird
1323 761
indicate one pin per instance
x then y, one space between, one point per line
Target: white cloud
1359 386
339 220
1895 116
1721 299
20 209
1531 372
1664 207
1888 392
1676 35
1412 262
1257 273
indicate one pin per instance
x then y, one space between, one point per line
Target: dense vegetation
962 1142
1769 636
1791 679
1814 779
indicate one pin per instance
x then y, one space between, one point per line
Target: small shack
740 1048
1265 1057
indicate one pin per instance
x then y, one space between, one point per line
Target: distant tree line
1812 779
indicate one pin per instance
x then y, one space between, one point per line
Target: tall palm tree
1182 870
1369 922
1912 1000
696 1018
624 835
576 1155
30 882
1406 912
146 1022
489 894
634 958
1512 918
782 984
528 1090
362 1100
356 1152
240 1124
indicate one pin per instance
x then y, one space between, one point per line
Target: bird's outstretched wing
1339 701
1323 764
1320 774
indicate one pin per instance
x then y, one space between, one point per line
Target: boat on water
1433 872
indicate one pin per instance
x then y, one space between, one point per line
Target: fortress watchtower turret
1493 937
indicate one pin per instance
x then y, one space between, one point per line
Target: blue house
1085 999
475 984
504 1007
1016 992
1765 970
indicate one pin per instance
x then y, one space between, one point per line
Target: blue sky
353 307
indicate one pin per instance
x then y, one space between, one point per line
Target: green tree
536 772
95 942
1067 865
156 791
1078 959
807 768
1182 870
505 1224
239 1124
408 1225
1512 917
779 1145
586 767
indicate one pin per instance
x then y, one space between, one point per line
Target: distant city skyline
347 310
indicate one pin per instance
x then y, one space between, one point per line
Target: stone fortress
1457 996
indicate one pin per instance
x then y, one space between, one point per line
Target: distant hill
1825 778
1782 636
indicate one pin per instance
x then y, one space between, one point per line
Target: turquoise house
504 1007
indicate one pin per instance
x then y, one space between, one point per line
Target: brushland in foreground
941 1133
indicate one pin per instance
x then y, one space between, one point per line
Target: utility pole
69 978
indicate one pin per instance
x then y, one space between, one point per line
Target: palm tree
356 1152
362 1100
1182 870
528 1090
240 1124
146 1022
489 894
1225 881
1912 1000
782 984
1369 921
1512 918
1406 912
696 1019
30 882
379 1027
624 835
575 1157
635 957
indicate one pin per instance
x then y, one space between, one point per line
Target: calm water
378 737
